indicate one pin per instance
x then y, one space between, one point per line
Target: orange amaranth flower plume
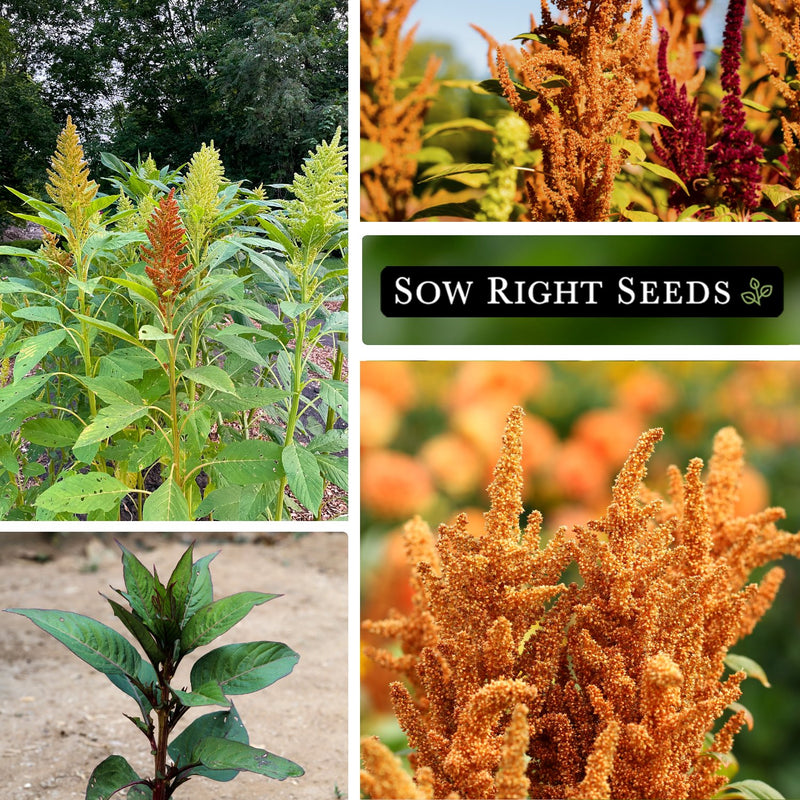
165 257
519 684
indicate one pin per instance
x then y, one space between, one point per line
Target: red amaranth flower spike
735 153
683 147
166 255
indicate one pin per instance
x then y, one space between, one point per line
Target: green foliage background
266 81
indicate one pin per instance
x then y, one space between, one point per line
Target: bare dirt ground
59 717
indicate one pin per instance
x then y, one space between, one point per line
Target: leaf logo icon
758 294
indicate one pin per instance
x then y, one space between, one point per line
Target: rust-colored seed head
516 685
166 255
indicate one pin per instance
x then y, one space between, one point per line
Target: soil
59 718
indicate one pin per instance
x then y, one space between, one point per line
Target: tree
27 128
265 80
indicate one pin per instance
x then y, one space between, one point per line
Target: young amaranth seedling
169 622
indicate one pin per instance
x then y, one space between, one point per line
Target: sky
449 20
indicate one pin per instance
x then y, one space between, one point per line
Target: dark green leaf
226 754
95 643
139 630
208 695
214 619
200 591
50 432
109 777
244 668
219 724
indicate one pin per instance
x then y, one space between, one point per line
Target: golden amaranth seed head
516 685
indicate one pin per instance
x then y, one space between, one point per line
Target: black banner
581 291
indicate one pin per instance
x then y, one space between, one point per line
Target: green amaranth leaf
214 619
143 635
250 461
50 432
663 172
220 724
244 668
303 475
226 754
494 86
113 391
14 392
201 591
109 777
148 333
211 376
93 642
778 194
39 314
650 116
109 420
334 395
208 695
166 504
84 493
749 790
33 350
751 669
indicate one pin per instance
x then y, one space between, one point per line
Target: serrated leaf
220 724
244 668
751 669
166 504
50 432
225 754
216 618
83 494
93 642
303 475
34 349
212 376
109 776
